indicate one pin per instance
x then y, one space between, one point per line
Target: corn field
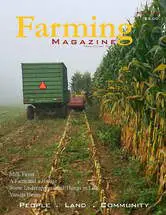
130 84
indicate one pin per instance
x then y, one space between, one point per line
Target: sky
14 51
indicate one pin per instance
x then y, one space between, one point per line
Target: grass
8 112
39 150
77 149
30 148
132 182
11 117
77 166
134 186
128 180
108 135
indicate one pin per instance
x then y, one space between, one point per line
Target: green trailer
45 89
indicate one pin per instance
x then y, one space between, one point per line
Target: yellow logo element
71 30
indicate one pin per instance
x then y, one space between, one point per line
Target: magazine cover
83 107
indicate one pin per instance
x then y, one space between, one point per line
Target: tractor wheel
30 113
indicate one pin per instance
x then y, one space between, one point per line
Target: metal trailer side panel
53 75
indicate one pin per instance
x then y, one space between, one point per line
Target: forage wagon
45 89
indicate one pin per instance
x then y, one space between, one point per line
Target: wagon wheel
30 113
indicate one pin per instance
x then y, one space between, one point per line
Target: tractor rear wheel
30 113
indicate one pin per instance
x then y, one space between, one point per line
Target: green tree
81 82
76 82
86 79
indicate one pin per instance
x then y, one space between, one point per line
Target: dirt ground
27 153
27 149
